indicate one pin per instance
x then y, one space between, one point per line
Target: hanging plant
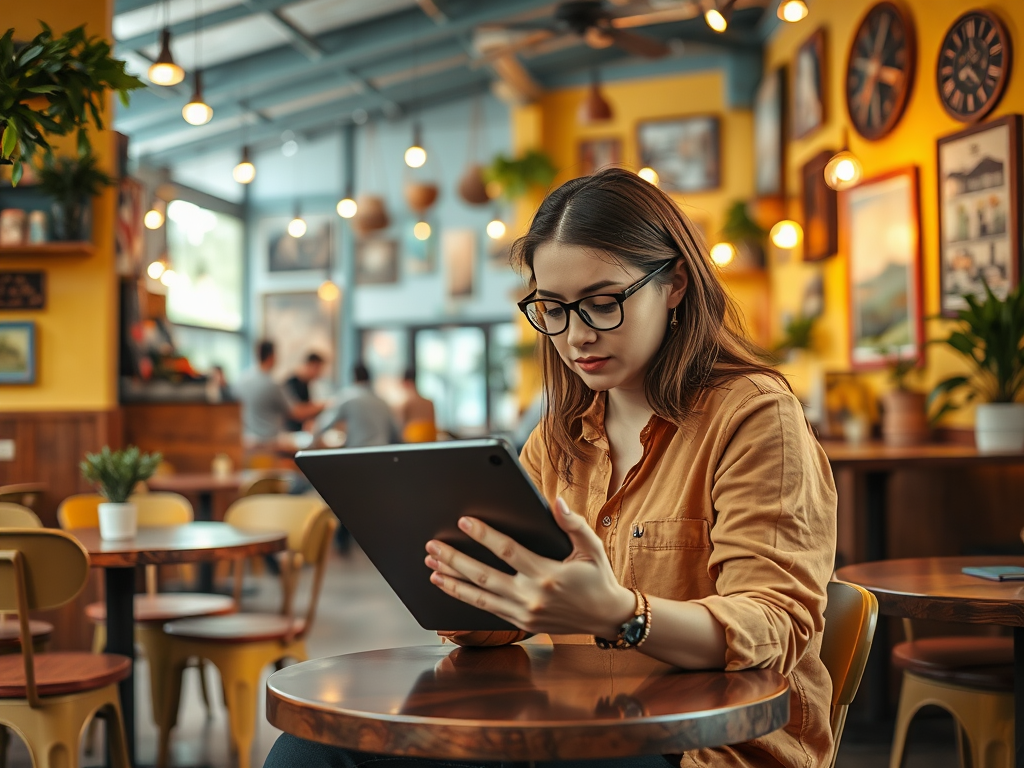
71 73
516 176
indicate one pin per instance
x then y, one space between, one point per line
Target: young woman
684 472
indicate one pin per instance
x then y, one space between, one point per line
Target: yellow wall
76 333
911 143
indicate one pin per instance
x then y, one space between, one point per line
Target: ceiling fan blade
682 12
530 25
638 45
490 51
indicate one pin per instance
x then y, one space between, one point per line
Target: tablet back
393 499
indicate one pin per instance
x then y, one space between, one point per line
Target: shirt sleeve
532 456
774 534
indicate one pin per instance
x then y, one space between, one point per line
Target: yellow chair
264 484
18 516
47 698
850 619
243 644
419 432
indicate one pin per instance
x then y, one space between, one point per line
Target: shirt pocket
669 558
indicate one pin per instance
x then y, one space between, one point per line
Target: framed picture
22 290
376 261
129 232
458 247
979 210
821 210
809 86
18 353
312 251
883 228
420 255
299 323
769 134
684 151
596 154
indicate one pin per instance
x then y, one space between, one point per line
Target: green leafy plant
70 180
900 368
798 333
988 335
515 176
71 73
116 473
739 227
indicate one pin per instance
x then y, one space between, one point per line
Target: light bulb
723 253
792 10
164 71
648 174
786 234
168 277
415 156
347 208
328 291
843 170
297 227
716 20
421 230
197 112
153 219
496 229
155 270
245 171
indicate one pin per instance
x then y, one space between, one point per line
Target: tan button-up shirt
735 510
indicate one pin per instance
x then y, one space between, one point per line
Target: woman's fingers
475 596
508 549
454 563
584 540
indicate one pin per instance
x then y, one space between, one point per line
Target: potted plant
71 183
904 412
988 335
513 177
54 85
115 474
746 235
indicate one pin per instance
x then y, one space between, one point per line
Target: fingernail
465 524
431 562
563 506
433 549
437 578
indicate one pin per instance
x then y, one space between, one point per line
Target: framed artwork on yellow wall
809 79
979 210
596 154
881 225
769 134
821 214
18 353
684 151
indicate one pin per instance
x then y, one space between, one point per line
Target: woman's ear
677 288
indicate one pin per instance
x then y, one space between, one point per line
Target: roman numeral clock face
974 65
880 70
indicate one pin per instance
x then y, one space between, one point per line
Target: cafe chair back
264 484
850 619
47 698
16 516
243 644
25 494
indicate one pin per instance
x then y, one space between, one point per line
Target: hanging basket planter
473 187
420 196
371 215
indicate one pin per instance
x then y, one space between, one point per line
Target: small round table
935 588
521 703
189 543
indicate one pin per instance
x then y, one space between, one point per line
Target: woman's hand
577 595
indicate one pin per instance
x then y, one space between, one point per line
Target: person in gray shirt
364 417
265 404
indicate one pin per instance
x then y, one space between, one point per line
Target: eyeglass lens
602 313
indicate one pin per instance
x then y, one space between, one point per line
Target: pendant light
722 254
347 206
792 10
421 230
245 171
594 108
496 228
649 175
197 111
328 291
154 218
297 226
718 18
416 155
844 169
164 71
786 234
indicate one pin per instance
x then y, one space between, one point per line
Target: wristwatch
633 632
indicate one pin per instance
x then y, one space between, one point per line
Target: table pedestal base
120 587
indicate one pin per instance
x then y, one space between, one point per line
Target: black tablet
395 498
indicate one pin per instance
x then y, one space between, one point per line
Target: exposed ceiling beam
299 40
187 27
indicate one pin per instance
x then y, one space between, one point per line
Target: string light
421 230
169 277
154 218
496 229
792 10
649 175
156 269
328 291
347 208
723 253
245 171
786 234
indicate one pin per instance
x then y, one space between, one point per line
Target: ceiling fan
599 25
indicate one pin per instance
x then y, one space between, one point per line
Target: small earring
674 321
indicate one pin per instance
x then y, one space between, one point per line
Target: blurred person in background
416 413
298 385
265 405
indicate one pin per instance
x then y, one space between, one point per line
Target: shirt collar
593 422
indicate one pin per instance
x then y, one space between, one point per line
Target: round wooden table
521 703
189 543
935 588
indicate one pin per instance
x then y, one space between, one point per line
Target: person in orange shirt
701 508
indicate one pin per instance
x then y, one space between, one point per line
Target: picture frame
770 134
376 261
18 350
23 290
299 322
129 230
882 226
310 253
684 151
821 210
808 86
598 153
979 177
458 247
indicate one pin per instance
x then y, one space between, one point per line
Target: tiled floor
358 612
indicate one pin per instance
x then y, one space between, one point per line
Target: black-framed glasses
602 312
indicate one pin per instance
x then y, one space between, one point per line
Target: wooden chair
850 619
17 516
152 609
243 644
25 494
265 484
47 698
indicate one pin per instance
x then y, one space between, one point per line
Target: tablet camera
495 460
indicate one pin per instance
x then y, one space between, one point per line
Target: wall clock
880 70
974 65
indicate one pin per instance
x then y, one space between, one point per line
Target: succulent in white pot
115 474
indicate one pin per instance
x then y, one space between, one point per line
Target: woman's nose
579 333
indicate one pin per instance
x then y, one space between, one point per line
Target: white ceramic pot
999 427
118 521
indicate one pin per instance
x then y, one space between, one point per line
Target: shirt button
606 521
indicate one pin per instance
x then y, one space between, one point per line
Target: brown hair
617 212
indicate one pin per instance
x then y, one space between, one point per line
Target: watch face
634 629
880 70
973 66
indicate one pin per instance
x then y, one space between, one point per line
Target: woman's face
618 358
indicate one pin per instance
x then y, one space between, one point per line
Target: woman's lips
592 364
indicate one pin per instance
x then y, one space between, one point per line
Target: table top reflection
521 702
